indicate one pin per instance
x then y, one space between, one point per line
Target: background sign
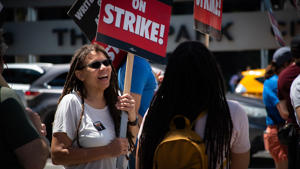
208 16
85 13
136 26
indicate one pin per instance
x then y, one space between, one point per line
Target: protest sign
85 14
137 26
278 37
208 16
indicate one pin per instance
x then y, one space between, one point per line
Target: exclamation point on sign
161 34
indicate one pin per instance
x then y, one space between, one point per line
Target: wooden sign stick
207 40
124 116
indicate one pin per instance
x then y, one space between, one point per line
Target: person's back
295 97
285 80
19 139
281 59
20 142
225 127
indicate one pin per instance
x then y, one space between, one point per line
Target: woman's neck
95 99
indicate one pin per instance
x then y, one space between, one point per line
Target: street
260 160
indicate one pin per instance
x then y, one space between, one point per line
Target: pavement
260 160
50 165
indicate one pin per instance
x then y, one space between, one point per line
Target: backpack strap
188 124
186 120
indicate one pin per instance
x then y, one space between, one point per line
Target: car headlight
240 89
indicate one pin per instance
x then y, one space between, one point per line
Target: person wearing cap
285 79
281 59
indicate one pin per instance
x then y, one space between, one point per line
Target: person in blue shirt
281 59
143 87
143 84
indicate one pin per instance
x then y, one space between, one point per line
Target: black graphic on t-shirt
98 125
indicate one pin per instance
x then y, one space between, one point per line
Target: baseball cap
282 55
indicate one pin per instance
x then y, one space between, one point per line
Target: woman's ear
79 75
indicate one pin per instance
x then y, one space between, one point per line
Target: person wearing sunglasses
87 120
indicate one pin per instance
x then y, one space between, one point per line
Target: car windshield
21 76
260 79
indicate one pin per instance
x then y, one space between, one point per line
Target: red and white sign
116 54
137 26
208 16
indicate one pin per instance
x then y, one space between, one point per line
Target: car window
21 76
59 81
260 79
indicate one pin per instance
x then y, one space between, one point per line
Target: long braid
222 139
71 84
192 83
79 123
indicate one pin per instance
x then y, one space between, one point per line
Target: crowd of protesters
281 98
88 117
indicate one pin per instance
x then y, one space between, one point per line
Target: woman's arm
282 108
62 152
127 103
137 160
240 160
33 154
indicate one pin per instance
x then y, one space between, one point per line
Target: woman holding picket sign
192 85
87 120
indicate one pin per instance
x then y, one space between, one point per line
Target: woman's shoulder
7 93
236 110
71 97
233 104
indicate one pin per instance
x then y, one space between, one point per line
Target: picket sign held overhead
85 13
139 27
277 34
208 18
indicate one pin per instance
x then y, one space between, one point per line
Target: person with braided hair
87 120
192 85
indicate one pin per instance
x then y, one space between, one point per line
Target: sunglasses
97 64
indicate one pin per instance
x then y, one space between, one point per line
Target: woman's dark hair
271 69
192 83
110 94
283 59
3 48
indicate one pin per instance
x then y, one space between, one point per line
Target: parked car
41 84
251 85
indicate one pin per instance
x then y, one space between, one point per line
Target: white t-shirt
67 118
295 96
240 142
